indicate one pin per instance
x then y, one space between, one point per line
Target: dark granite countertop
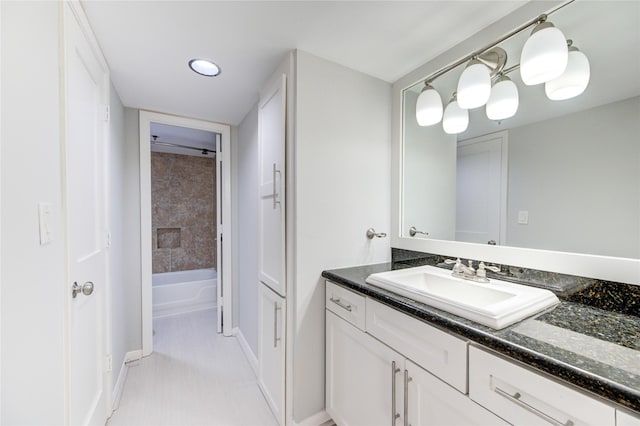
593 349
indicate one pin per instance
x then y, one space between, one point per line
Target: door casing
146 118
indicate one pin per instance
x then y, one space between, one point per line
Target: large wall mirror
560 176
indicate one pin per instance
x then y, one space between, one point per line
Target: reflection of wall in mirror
429 178
578 176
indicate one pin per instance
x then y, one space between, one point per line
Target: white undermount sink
496 304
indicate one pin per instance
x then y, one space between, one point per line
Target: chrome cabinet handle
276 308
86 289
394 371
515 398
342 305
407 379
275 192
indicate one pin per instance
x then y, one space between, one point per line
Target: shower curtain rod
203 151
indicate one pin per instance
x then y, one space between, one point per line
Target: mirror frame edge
625 270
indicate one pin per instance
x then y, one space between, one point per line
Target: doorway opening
185 200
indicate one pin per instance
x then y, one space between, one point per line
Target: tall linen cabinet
272 287
330 183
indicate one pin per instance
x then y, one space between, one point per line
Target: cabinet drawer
346 304
442 354
521 396
626 419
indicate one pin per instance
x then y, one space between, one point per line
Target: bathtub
180 292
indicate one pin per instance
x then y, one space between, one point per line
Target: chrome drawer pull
342 305
407 379
276 308
394 371
516 400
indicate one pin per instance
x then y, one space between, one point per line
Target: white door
271 136
362 377
481 189
271 347
85 112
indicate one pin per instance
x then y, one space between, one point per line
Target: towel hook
371 234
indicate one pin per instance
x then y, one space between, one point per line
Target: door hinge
109 363
107 113
108 239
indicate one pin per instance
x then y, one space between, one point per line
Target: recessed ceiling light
204 67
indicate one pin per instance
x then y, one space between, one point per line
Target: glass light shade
455 119
429 107
573 81
204 67
504 100
544 55
474 86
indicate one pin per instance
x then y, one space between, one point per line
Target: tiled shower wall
183 192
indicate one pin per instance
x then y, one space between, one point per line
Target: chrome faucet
461 270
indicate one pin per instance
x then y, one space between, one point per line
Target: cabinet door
271 350
360 377
430 401
271 140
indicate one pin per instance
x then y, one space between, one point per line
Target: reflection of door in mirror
481 189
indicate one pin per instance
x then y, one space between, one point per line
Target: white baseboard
117 389
133 356
321 418
251 357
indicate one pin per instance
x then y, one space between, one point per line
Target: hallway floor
194 377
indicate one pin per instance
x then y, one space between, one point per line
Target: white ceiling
148 44
176 135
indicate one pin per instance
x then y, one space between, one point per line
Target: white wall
429 177
246 190
33 276
117 187
578 157
131 237
342 188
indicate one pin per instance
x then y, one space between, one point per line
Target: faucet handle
482 270
457 265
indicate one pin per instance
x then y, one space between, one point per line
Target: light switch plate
44 217
523 217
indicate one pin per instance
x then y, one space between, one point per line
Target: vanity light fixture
204 67
474 85
544 59
504 100
428 106
544 55
575 78
455 119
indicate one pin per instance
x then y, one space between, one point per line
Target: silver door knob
86 289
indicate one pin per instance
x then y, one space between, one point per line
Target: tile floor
194 377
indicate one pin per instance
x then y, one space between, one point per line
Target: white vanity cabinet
370 383
522 396
432 402
360 376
